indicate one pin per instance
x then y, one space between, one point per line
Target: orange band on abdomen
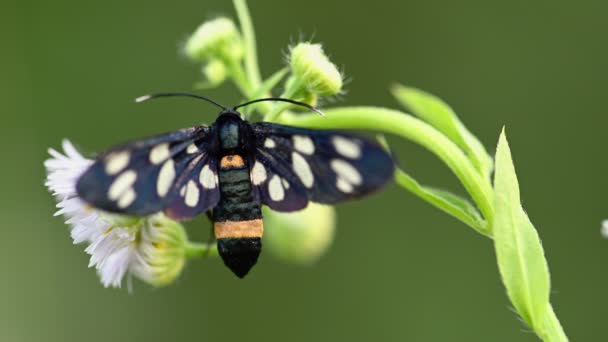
239 229
232 161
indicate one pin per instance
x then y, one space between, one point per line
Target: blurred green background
399 269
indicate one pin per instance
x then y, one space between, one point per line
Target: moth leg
211 240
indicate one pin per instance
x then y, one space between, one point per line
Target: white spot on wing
303 144
347 175
344 186
302 169
182 191
159 153
207 178
269 143
191 149
258 173
346 147
116 162
346 171
121 184
127 198
275 189
192 194
165 178
285 183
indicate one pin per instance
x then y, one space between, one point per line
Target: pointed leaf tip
519 252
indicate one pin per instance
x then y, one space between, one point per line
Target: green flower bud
302 95
300 237
310 65
215 72
218 38
161 251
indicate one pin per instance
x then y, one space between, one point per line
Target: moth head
230 128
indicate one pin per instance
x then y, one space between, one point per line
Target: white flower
605 228
62 173
117 244
111 248
113 254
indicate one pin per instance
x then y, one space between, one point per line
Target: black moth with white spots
232 168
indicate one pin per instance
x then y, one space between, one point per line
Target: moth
229 170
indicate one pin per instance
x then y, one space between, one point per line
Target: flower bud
302 95
161 252
300 237
215 72
218 38
311 66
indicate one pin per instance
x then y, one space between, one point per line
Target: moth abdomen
240 254
237 218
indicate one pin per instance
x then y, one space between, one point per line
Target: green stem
200 249
553 329
278 109
239 77
408 127
251 57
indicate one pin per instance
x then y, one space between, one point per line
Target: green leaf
521 259
553 329
452 204
437 113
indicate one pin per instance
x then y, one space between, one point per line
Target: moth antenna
158 95
280 99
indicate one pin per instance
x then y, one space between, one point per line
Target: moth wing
275 184
141 178
329 166
198 189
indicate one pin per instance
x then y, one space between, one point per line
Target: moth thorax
229 135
